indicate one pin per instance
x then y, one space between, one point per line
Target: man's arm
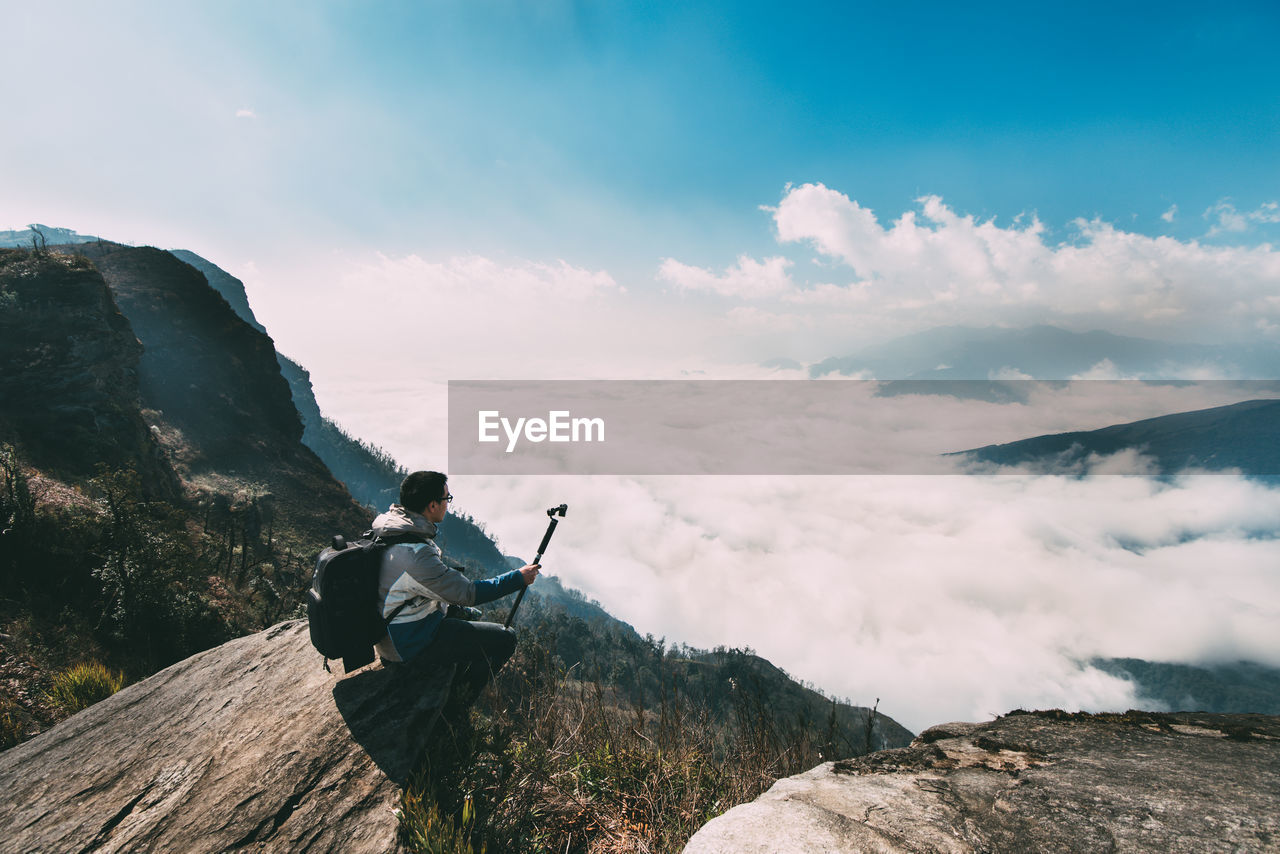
488 589
428 576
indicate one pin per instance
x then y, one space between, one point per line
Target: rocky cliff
69 361
212 388
248 745
228 286
1044 781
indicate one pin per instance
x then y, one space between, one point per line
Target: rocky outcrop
249 745
1044 781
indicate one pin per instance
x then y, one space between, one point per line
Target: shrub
83 685
10 725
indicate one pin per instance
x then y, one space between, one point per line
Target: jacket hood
398 520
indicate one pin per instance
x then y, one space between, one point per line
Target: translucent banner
806 427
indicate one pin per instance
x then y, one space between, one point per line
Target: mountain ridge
1050 353
1240 436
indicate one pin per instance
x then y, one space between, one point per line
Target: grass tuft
83 685
424 828
10 724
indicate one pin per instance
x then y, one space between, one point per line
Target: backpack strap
397 610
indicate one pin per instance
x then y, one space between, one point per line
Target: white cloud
749 318
1169 215
1104 370
382 334
245 113
856 295
949 598
934 266
1007 372
1227 219
956 597
748 279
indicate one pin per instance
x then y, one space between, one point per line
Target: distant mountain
1051 353
1243 436
1237 687
46 234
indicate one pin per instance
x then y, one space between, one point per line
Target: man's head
426 492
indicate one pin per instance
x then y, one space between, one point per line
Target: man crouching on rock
414 576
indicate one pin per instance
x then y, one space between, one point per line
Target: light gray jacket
415 574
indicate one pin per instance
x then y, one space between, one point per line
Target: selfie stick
542 549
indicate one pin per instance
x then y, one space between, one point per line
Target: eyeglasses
447 499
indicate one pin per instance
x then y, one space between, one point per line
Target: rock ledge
251 745
1042 781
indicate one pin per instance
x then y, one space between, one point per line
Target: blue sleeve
488 589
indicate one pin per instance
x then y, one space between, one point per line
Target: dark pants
479 650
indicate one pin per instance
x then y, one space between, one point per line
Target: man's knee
500 644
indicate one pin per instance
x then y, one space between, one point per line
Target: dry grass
82 685
550 763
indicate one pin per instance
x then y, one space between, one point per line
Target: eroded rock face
1031 782
249 745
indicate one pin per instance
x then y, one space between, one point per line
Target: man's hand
530 572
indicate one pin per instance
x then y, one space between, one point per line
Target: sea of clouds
947 597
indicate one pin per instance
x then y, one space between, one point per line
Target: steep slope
156 499
231 288
69 364
212 384
372 476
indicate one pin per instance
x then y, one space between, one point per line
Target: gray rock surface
1045 781
251 745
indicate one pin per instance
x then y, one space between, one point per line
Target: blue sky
618 134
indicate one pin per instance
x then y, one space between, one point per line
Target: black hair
421 488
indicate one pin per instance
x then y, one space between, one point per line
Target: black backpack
342 604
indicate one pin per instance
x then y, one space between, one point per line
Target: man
414 576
